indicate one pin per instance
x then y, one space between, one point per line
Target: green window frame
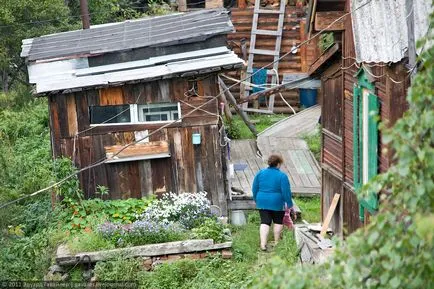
365 140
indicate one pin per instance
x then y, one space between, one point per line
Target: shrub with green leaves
119 269
88 242
210 229
396 249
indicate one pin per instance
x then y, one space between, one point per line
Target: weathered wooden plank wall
189 169
292 35
338 154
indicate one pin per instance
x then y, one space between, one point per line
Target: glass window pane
158 112
110 114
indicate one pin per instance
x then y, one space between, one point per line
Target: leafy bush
27 258
233 129
25 162
188 209
84 215
119 269
210 229
168 276
395 250
88 242
77 214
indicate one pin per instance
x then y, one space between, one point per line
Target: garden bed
194 249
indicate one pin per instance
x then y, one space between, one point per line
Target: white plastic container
238 218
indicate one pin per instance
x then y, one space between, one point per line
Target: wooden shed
144 82
364 77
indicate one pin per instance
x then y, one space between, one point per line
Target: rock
227 254
65 277
52 277
147 264
87 274
192 256
56 269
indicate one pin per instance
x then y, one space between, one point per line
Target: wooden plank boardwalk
285 139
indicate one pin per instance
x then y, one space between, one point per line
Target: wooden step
266 32
268 11
264 52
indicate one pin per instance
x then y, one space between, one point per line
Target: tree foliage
21 19
396 249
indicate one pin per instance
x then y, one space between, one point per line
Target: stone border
64 256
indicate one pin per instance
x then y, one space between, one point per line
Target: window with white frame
134 113
158 112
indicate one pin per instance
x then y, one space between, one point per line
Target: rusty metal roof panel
380 28
152 31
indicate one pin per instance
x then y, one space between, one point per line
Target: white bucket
238 218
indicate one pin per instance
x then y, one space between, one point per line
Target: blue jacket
271 190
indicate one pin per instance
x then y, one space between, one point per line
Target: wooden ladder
276 52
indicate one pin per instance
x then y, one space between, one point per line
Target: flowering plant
187 209
141 233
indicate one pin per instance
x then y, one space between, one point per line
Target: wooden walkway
285 139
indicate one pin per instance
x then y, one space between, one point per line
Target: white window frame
135 119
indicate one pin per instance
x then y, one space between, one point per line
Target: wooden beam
242 114
212 4
323 59
274 90
64 257
324 19
140 149
329 216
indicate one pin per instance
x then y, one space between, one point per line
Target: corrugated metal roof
380 28
153 31
75 73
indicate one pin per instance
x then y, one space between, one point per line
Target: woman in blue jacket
271 190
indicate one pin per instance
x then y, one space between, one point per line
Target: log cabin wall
339 167
292 34
190 168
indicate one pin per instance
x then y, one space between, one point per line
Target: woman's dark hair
274 160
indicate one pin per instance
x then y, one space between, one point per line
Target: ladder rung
268 11
264 52
266 32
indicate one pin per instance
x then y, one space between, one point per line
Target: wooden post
243 72
222 98
85 16
182 5
242 113
303 48
242 4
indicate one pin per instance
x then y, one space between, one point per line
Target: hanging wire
103 160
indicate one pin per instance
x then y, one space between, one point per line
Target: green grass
313 141
237 129
216 273
310 208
